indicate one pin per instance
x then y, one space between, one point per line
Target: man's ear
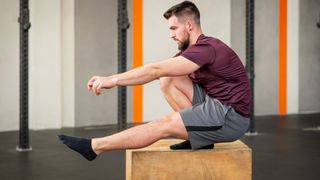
189 25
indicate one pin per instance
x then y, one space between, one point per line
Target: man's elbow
154 71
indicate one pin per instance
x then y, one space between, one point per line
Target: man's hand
96 83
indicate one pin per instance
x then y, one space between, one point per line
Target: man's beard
184 45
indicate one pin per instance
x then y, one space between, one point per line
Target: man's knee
163 124
166 83
171 126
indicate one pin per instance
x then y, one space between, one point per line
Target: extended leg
136 137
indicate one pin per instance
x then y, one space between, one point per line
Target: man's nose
172 35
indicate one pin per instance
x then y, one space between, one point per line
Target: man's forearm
137 76
178 66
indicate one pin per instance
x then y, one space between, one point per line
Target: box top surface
163 145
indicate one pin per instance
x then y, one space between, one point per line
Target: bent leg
178 91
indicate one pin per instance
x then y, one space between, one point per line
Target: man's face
178 32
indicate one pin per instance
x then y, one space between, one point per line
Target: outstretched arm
176 66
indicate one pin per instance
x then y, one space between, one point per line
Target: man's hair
185 8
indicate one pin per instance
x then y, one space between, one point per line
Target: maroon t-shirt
221 73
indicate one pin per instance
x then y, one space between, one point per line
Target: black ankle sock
81 145
187 145
182 145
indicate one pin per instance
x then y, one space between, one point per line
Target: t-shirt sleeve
201 54
178 54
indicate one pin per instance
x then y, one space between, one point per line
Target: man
205 84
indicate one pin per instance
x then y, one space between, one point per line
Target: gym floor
287 147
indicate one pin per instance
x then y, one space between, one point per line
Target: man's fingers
96 86
90 82
89 85
100 84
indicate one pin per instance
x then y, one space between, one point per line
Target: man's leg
178 91
136 137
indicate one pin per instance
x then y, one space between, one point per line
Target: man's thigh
171 125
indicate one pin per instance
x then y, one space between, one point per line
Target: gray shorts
209 121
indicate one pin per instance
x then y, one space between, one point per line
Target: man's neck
194 36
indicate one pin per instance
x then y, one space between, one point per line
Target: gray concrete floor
286 147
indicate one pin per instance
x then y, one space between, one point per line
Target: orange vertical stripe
137 58
282 57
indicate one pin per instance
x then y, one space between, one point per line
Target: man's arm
177 66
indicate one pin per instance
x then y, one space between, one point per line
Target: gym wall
9 65
95 54
45 64
72 40
303 65
309 56
69 42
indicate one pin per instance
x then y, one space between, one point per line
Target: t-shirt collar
200 37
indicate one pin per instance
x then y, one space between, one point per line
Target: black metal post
123 25
250 57
24 44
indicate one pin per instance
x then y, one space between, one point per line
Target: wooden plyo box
229 161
